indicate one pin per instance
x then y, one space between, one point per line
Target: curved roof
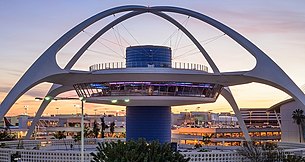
276 107
149 46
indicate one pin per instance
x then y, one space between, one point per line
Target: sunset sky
275 26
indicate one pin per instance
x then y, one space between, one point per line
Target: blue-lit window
145 56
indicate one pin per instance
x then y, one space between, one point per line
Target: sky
275 26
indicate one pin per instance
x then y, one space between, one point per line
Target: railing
88 141
22 143
30 144
214 156
74 156
43 155
190 66
122 65
110 65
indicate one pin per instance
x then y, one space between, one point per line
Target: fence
213 156
6 155
88 141
74 156
45 155
27 144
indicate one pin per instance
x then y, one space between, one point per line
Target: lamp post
57 108
75 109
231 118
95 111
82 130
82 117
250 113
210 117
82 134
198 108
267 113
26 107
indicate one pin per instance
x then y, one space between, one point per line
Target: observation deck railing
122 65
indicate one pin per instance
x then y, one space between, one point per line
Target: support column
226 93
149 122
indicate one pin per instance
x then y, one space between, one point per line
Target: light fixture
38 99
126 100
47 98
114 101
82 98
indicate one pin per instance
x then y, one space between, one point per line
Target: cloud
256 18
5 89
37 92
268 21
12 72
33 92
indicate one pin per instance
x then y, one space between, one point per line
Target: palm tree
207 139
61 135
95 129
261 153
294 158
88 133
103 127
77 138
112 125
6 136
136 151
251 152
298 117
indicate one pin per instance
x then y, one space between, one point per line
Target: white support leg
22 86
226 93
53 92
278 120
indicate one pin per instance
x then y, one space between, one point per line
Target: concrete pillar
149 122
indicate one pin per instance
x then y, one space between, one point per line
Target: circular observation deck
148 78
148 93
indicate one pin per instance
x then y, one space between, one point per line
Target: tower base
149 122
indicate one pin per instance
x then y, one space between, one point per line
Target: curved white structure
265 71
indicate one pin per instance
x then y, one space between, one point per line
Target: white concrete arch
53 92
46 64
58 89
266 70
115 22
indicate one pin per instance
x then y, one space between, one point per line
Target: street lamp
48 98
250 113
26 107
267 117
210 117
198 108
76 106
82 130
95 111
231 118
57 108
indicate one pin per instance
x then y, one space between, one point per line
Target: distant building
290 131
260 117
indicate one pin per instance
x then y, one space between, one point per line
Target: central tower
148 86
149 122
148 56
